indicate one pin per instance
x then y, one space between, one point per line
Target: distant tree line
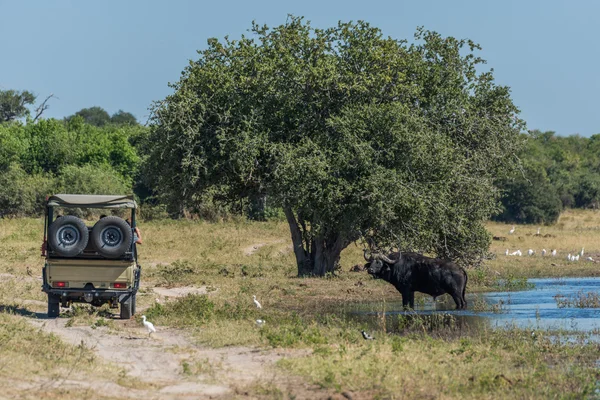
557 173
89 152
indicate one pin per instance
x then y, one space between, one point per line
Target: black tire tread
74 250
112 252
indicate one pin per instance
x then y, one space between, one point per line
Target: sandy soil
157 363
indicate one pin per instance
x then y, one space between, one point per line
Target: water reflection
535 308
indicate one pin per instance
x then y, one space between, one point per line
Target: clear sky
121 54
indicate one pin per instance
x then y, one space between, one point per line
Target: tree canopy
354 134
96 116
13 104
123 118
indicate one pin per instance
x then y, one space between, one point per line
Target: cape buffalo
412 272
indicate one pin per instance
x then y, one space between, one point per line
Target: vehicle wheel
112 236
53 306
68 236
126 308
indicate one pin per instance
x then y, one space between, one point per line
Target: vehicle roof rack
91 201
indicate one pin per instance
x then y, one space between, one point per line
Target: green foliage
50 156
351 133
564 168
96 116
91 179
23 194
530 198
123 118
13 104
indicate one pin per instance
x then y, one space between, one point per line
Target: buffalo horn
370 259
387 260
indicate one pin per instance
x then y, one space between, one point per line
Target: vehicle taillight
119 285
60 284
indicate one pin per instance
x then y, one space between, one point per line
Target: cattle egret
149 326
506 252
538 232
590 259
576 257
581 252
514 253
543 252
553 253
260 322
366 336
519 253
530 252
569 257
512 230
256 302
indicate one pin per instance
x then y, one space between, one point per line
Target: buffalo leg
458 300
405 300
411 300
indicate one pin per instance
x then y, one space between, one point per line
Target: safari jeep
90 264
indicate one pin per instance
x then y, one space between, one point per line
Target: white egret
569 257
581 253
553 253
366 336
260 322
514 253
543 252
590 259
149 326
506 252
576 257
538 231
256 302
519 253
512 230
530 252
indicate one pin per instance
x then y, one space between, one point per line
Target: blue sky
122 54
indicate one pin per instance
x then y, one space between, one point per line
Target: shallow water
536 308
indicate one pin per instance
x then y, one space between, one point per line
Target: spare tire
112 236
68 236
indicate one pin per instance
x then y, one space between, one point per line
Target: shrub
22 194
530 200
92 179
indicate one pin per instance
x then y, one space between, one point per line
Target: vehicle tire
53 306
68 236
112 236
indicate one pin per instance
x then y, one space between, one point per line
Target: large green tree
352 133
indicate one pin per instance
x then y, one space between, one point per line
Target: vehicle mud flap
53 305
127 302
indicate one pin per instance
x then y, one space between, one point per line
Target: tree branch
42 107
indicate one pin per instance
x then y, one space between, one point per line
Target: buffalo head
379 265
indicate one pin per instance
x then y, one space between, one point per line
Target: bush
588 192
92 179
22 194
530 200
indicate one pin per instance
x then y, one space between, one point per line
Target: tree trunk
317 257
257 207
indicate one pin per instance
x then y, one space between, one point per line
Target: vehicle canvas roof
91 201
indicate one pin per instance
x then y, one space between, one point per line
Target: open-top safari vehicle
90 264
